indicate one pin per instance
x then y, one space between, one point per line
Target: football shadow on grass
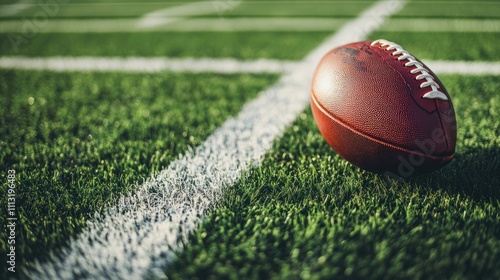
474 172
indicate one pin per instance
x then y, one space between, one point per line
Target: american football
383 110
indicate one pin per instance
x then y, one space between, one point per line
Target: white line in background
441 25
242 24
16 8
210 65
176 13
178 24
137 64
464 67
139 236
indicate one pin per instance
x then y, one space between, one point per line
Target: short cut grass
245 45
79 140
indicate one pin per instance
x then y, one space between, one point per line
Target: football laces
423 73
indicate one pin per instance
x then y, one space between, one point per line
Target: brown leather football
383 110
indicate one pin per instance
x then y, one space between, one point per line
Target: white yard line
441 25
211 65
242 24
176 13
137 64
464 67
138 236
177 23
16 8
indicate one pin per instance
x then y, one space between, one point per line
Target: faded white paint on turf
210 65
464 67
442 25
137 64
242 24
16 8
179 24
176 13
138 236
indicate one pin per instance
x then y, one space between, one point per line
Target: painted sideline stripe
176 23
441 25
176 13
256 24
138 236
137 64
464 67
13 9
211 65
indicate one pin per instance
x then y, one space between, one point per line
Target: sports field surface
174 140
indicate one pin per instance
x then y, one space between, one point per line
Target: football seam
435 111
445 134
405 81
414 152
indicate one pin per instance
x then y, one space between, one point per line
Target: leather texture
371 110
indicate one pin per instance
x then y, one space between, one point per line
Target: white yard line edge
244 24
210 65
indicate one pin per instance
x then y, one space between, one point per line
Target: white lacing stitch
419 68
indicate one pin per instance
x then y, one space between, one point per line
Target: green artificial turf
245 45
79 140
306 213
466 46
